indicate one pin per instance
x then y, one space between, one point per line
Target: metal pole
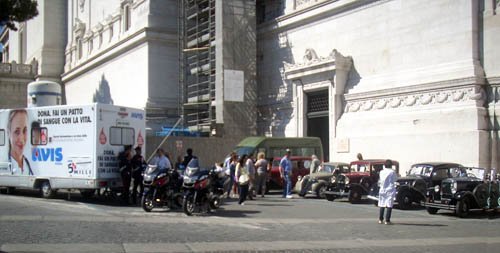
165 138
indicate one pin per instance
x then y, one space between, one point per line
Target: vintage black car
464 192
413 188
358 181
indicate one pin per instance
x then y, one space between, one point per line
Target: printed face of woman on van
18 133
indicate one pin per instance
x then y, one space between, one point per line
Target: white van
66 146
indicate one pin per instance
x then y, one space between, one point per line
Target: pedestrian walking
251 173
138 165
241 174
261 178
387 192
286 174
230 166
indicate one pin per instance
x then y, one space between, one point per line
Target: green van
276 146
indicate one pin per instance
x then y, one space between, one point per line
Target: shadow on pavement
234 213
475 214
419 224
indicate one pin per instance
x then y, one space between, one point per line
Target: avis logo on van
47 154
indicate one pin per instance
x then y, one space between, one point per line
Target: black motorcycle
203 189
161 189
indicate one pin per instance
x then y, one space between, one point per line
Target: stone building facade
419 84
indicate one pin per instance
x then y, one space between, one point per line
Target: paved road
272 224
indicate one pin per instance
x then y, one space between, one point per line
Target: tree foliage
12 11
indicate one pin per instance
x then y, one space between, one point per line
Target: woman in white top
241 174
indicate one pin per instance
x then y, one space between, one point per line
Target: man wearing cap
286 174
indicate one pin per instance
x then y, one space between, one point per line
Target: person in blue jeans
286 174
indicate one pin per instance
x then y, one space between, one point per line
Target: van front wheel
46 191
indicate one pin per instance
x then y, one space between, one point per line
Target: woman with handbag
243 178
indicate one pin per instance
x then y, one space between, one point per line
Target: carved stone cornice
461 94
448 84
313 64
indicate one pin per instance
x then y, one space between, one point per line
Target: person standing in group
125 164
387 192
261 178
230 166
162 161
137 170
286 174
188 157
315 163
241 173
251 173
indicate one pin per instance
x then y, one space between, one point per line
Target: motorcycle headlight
436 188
454 187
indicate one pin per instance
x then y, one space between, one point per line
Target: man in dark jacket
188 157
125 165
138 164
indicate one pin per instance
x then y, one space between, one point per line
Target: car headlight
454 187
347 180
333 179
436 188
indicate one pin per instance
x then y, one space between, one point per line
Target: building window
79 45
126 17
22 45
5 54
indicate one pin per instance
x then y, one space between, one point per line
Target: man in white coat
387 192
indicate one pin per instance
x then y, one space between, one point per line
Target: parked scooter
161 188
203 189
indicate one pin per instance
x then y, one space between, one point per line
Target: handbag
243 179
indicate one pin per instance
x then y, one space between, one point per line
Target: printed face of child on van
18 133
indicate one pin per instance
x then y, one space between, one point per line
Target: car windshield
327 168
458 172
420 170
360 168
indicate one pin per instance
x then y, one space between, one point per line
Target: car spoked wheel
321 191
404 200
462 208
355 196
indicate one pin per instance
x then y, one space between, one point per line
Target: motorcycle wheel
147 202
177 200
188 206
215 202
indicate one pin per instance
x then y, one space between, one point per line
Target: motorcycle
161 188
203 189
